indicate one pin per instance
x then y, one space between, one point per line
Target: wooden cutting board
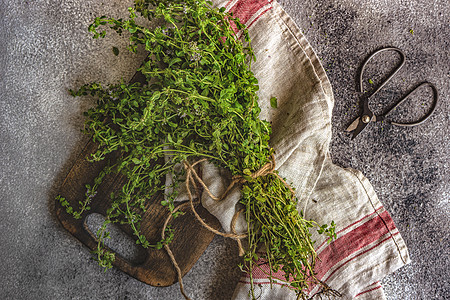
152 266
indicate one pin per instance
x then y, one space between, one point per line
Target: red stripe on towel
369 290
353 241
351 225
362 219
246 9
340 249
344 263
256 19
228 3
262 271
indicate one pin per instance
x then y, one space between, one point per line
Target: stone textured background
45 50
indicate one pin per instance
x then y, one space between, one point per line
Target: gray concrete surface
45 50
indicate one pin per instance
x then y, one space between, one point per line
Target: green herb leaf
273 102
198 100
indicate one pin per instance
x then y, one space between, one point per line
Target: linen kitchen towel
368 245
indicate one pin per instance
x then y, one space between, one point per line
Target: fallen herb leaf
273 102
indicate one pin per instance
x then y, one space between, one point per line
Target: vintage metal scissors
368 116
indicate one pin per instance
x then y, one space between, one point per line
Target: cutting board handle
120 243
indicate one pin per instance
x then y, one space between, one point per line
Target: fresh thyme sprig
199 101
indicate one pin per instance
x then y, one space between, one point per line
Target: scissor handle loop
400 65
433 107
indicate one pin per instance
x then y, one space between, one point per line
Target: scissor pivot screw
365 119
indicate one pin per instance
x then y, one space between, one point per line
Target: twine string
192 178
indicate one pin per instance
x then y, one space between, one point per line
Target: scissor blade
353 125
359 128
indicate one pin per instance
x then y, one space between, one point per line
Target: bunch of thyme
199 101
